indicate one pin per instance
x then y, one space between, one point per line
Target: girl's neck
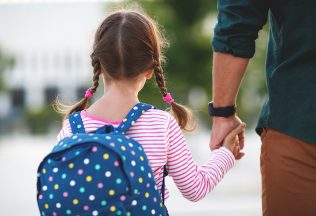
123 91
118 99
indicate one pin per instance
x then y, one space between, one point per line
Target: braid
182 114
83 103
160 79
96 72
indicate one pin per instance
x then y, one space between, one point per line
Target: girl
127 51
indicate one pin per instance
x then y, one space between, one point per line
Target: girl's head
128 44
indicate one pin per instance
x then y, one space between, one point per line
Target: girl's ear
149 74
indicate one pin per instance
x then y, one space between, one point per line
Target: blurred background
44 52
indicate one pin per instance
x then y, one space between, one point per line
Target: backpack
101 173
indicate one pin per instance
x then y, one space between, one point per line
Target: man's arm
228 72
237 29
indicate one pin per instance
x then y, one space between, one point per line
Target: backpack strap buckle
105 129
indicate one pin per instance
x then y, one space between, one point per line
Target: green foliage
5 62
41 121
189 61
189 57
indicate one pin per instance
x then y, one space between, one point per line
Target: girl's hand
232 141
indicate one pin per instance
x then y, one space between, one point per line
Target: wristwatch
221 111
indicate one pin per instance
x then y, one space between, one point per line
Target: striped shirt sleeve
194 181
65 131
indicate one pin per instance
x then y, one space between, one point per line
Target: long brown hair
126 44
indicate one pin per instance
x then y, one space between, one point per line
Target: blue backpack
101 173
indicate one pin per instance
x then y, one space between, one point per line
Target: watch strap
221 111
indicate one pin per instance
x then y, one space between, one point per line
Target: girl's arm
194 181
65 131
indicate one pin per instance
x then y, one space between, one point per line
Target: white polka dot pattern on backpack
81 176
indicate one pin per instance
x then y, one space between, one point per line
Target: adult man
287 123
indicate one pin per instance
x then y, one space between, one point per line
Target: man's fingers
217 137
238 130
216 140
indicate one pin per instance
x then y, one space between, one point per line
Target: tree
189 57
5 62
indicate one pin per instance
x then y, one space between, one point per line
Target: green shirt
291 58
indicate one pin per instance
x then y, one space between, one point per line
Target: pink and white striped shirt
163 141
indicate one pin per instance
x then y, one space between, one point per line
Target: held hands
228 132
232 141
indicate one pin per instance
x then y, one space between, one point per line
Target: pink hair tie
168 98
88 94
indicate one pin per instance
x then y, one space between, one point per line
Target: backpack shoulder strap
165 173
76 123
132 116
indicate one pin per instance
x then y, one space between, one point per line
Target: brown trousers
288 169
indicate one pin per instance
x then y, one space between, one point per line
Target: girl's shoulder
91 123
151 113
159 117
157 114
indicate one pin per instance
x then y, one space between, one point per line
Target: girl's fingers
236 149
233 136
237 152
241 137
240 155
233 142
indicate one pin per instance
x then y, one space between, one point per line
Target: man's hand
221 128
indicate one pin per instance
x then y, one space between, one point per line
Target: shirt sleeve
65 131
194 181
238 24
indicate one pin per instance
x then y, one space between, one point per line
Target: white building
51 43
